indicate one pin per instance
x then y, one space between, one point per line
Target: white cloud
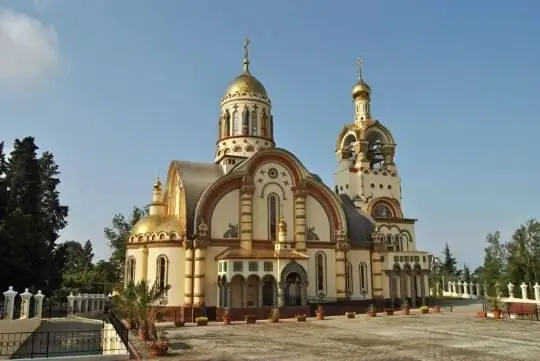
28 49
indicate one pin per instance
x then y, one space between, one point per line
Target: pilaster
246 214
199 275
342 247
144 263
300 219
188 272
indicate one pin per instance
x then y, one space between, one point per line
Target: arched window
273 216
364 285
349 278
130 270
397 243
254 128
162 268
382 210
320 267
235 123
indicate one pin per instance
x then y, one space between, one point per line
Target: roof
359 225
195 178
239 253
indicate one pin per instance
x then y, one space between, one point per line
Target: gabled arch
301 179
379 129
348 129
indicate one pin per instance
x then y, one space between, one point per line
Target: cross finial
246 53
359 63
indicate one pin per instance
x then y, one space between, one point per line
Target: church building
255 229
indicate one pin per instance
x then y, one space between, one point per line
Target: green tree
523 254
28 258
77 269
493 268
449 263
118 235
466 273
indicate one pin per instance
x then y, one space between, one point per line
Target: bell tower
246 123
365 153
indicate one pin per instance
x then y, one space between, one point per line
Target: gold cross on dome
359 63
246 48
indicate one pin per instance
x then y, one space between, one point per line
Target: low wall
64 340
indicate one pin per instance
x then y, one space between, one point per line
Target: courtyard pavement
433 337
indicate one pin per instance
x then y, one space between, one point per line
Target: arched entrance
269 291
294 285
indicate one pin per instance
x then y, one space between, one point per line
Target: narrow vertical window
363 277
235 123
320 267
162 272
273 216
254 122
245 121
130 270
349 278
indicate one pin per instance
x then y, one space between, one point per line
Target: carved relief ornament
188 243
201 243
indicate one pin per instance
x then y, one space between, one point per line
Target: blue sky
117 89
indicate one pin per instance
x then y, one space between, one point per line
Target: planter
251 319
227 320
424 310
350 314
481 314
274 320
143 335
202 323
372 313
159 348
406 311
389 312
301 318
497 314
437 309
179 324
320 315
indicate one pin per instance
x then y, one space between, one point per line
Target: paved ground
442 337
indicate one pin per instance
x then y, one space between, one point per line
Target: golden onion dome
246 82
157 223
361 89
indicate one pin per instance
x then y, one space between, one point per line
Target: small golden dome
246 83
157 223
157 185
361 89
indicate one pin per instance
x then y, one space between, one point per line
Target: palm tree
138 303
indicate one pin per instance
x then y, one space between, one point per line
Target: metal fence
121 329
22 345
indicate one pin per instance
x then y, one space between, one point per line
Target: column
244 294
199 276
86 299
246 213
280 295
422 277
144 263
219 295
261 284
25 303
342 246
510 290
537 292
229 295
38 305
188 272
9 303
524 290
465 289
78 303
300 220
402 285
71 304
